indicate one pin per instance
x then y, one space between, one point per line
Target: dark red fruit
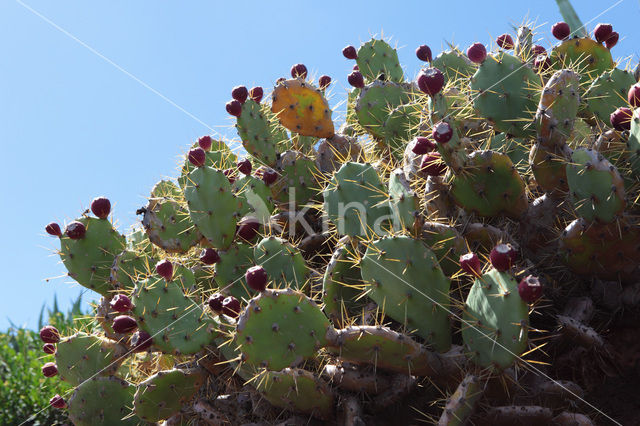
215 302
121 303
538 50
256 94
75 230
350 52
423 53
324 81
503 256
423 145
633 96
240 93
245 166
140 341
231 307
101 207
209 256
53 229
164 268
230 174
299 70
621 119
442 132
541 63
234 108
612 40
248 228
431 81
49 348
505 41
602 32
58 402
356 68
197 157
124 324
561 30
530 289
49 334
50 369
477 53
432 164
470 263
205 142
269 176
356 79
256 278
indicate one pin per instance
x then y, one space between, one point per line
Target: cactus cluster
416 256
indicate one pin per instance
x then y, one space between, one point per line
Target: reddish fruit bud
209 256
442 132
324 81
560 30
621 119
49 348
350 52
602 32
101 207
234 108
121 303
299 70
49 334
53 229
197 157
50 369
432 164
256 278
231 307
269 176
230 174
422 146
503 256
256 94
470 263
205 142
541 63
356 68
477 53
356 79
124 324
430 81
248 228
75 230
633 96
164 268
538 50
530 289
612 40
245 166
215 302
240 93
423 53
505 41
140 341
58 402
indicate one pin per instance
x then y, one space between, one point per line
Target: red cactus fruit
164 268
430 81
240 93
197 157
209 256
248 228
505 41
58 402
432 164
442 132
423 145
49 334
269 176
477 53
256 94
612 40
324 81
633 96
356 68
530 289
124 324
423 53
541 63
53 229
49 348
140 341
350 52
215 302
299 70
356 79
538 50
234 108
503 256
561 30
75 230
621 119
50 369
231 307
470 263
121 303
256 278
245 166
101 207
602 32
205 142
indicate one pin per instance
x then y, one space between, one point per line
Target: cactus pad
299 181
377 57
558 108
102 401
342 282
377 100
454 65
583 55
404 203
260 132
128 267
283 262
608 92
229 271
220 156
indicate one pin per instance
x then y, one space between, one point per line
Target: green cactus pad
220 156
585 56
490 185
633 145
517 149
281 328
446 243
166 220
454 65
81 356
356 202
128 267
90 258
254 196
165 393
557 109
377 57
260 132
548 166
495 321
405 280
404 203
103 401
231 268
524 43
177 323
503 90
608 92
377 100
297 390
138 240
283 262
212 205
597 190
401 125
299 180
461 404
342 282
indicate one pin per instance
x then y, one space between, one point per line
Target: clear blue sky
74 126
